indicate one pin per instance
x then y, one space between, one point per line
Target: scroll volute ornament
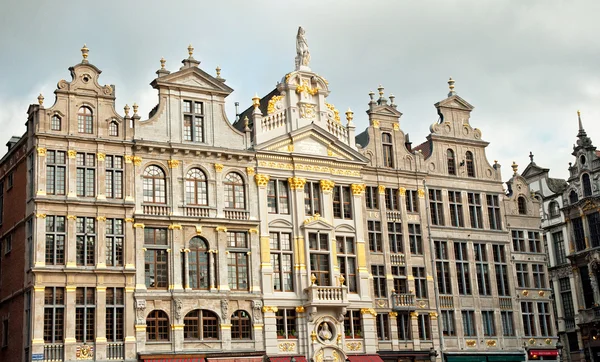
261 180
327 185
296 183
358 189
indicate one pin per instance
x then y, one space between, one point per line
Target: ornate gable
193 78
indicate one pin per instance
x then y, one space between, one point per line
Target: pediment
455 102
532 170
317 222
280 223
195 78
386 110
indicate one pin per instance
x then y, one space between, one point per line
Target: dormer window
522 205
451 162
553 209
587 185
573 197
388 150
85 120
55 123
470 164
113 129
193 121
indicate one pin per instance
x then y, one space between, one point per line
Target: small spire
515 167
372 95
451 87
135 108
581 130
392 97
531 156
126 109
191 51
255 101
84 53
162 63
380 89
41 99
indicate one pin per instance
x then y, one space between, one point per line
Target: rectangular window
414 239
436 207
391 199
319 257
56 170
30 247
56 234
278 197
86 174
539 279
156 258
424 327
193 121
468 319
399 274
395 237
312 198
594 225
352 324
85 312
559 247
5 332
342 202
474 201
544 319
448 328
346 253
372 197
578 233
567 300
86 241
489 326
456 208
115 314
30 176
114 177
443 267
237 260
379 281
420 282
535 243
508 328
281 259
522 275
494 212
10 180
383 326
375 236
404 326
501 269
412 201
7 244
518 239
483 273
528 319
54 314
1 200
462 268
285 322
115 237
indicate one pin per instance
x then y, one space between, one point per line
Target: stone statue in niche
224 309
325 332
302 53
140 307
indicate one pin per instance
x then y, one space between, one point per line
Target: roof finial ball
191 51
84 53
380 89
126 109
162 63
41 99
218 69
451 87
256 101
349 115
515 167
135 108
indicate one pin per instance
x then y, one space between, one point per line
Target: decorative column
176 186
40 173
414 325
221 238
101 176
37 322
271 341
302 348
100 349
369 330
593 280
394 330
140 277
70 342
129 245
129 184
100 246
70 244
177 244
435 330
262 181
178 325
258 325
297 195
220 201
130 322
326 191
40 245
71 183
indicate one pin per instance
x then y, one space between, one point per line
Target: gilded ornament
138 225
491 343
339 338
313 279
137 160
305 87
290 148
41 99
541 293
296 183
253 231
393 314
354 346
269 309
218 167
327 185
175 227
84 52
396 127
341 280
84 352
271 106
128 159
100 156
250 171
101 218
336 113
402 191
375 123
433 315
261 180
287 347
256 101
313 336
531 341
135 108
129 219
414 315
300 309
358 189
71 217
41 151
548 341
471 343
381 189
41 216
221 228
72 153
173 163
421 193
525 293
370 311
308 111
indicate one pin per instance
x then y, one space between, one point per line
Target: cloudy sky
526 66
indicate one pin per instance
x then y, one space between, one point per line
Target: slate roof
426 148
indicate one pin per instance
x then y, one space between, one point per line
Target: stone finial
392 97
380 89
218 69
246 124
349 115
84 53
530 156
126 109
515 167
162 63
190 51
135 108
40 99
372 96
451 87
255 101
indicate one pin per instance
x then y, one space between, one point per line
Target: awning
365 358
195 359
486 358
236 359
507 358
287 359
466 358
543 353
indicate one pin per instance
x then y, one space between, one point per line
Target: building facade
283 235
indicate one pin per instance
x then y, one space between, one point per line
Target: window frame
197 132
387 150
235 191
451 162
239 320
347 261
114 171
375 236
154 184
85 236
278 197
456 209
238 261
85 120
157 321
282 271
196 187
342 202
85 327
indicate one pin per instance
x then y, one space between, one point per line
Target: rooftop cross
530 156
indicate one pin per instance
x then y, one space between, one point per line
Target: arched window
154 185
522 204
470 164
573 197
451 162
85 120
157 326
201 324
553 209
113 129
240 325
388 150
587 185
196 190
55 123
235 195
198 264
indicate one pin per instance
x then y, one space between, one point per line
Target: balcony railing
197 211
394 215
334 296
403 301
446 301
157 210
590 315
115 350
569 323
398 259
506 303
54 352
237 214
